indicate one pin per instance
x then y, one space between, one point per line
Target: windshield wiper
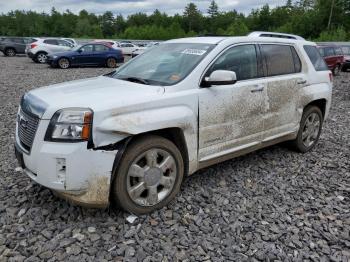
136 80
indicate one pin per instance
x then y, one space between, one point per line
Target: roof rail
275 34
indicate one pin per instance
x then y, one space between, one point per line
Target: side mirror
220 77
79 50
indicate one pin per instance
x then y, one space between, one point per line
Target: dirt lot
273 204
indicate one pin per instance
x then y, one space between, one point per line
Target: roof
277 34
235 39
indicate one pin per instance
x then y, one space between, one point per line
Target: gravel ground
273 204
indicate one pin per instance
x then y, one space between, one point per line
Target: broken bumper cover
75 173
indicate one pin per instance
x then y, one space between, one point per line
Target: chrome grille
27 126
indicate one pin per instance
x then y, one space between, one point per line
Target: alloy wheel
63 63
151 177
41 58
311 129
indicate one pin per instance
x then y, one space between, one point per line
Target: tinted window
240 59
87 48
29 40
279 59
18 40
51 42
101 48
315 58
297 62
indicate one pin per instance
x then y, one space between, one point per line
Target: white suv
130 137
39 50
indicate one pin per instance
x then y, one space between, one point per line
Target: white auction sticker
194 51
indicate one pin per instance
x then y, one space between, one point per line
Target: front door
231 116
85 55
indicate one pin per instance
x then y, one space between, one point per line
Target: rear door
100 54
19 45
284 79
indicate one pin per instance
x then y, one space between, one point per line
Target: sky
126 7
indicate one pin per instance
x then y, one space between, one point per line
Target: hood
98 93
347 57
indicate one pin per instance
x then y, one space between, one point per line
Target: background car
11 46
346 53
93 54
142 49
127 48
39 50
333 56
71 40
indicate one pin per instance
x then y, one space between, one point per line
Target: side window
51 42
240 59
87 48
321 51
279 59
18 40
329 51
315 58
297 62
101 48
63 43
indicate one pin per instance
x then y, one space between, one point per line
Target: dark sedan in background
93 54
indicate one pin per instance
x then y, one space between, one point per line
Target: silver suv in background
131 136
12 46
39 50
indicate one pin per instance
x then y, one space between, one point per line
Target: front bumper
72 171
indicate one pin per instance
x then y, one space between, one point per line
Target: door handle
301 82
258 88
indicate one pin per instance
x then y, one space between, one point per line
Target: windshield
346 50
76 47
165 64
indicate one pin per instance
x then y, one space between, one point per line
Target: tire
63 63
111 62
307 131
41 57
138 191
344 69
336 70
10 52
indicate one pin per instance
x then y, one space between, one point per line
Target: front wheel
63 63
149 175
310 129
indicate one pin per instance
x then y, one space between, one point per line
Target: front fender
122 125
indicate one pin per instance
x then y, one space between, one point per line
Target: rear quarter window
280 59
315 58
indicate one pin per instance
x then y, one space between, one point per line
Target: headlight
54 56
70 125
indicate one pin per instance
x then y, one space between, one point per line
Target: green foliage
311 19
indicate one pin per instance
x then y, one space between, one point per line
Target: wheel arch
320 103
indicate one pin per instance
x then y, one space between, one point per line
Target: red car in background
333 56
346 52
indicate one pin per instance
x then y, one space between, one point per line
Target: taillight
330 77
33 45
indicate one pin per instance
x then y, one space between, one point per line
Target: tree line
320 20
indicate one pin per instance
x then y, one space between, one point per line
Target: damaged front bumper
75 173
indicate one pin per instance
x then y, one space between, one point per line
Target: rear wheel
10 52
310 129
41 57
111 62
63 63
336 70
149 175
